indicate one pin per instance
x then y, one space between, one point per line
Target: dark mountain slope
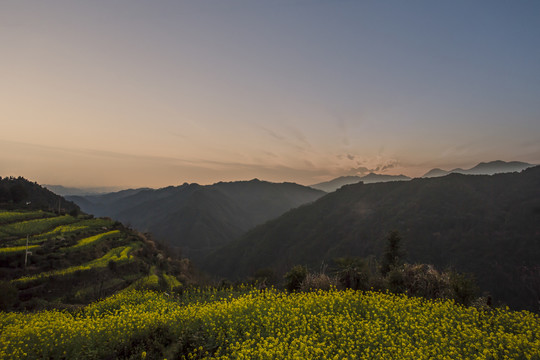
200 218
370 178
486 225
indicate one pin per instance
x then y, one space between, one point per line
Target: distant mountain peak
483 168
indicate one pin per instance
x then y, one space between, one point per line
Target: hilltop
20 193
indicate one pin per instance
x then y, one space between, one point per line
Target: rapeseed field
271 324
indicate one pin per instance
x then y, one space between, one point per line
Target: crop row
32 227
12 216
83 226
92 240
16 249
275 325
118 254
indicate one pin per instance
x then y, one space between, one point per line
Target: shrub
464 289
318 282
295 277
8 296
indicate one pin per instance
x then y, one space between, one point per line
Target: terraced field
59 260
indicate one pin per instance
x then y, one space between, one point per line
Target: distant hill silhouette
370 178
200 218
489 168
65 191
20 193
485 225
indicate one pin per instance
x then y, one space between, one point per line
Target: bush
464 289
8 296
295 277
318 282
424 280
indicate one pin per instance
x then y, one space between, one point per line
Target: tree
295 277
18 193
351 273
393 254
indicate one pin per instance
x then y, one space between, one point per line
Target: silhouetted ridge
483 168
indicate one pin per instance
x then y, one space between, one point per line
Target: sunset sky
137 93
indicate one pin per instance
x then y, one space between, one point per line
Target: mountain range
484 225
483 168
489 168
199 218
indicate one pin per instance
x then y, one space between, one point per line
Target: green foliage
8 296
393 253
464 288
295 277
352 273
18 193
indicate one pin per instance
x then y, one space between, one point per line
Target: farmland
252 324
75 259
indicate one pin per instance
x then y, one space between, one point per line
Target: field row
118 254
13 216
273 325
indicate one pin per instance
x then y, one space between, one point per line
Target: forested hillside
485 225
197 218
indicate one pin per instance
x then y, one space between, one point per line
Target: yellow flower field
273 325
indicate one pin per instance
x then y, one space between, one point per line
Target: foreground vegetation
271 325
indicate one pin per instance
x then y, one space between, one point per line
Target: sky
134 93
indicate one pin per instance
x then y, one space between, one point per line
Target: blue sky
140 93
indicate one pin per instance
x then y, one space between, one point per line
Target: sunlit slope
271 325
56 260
